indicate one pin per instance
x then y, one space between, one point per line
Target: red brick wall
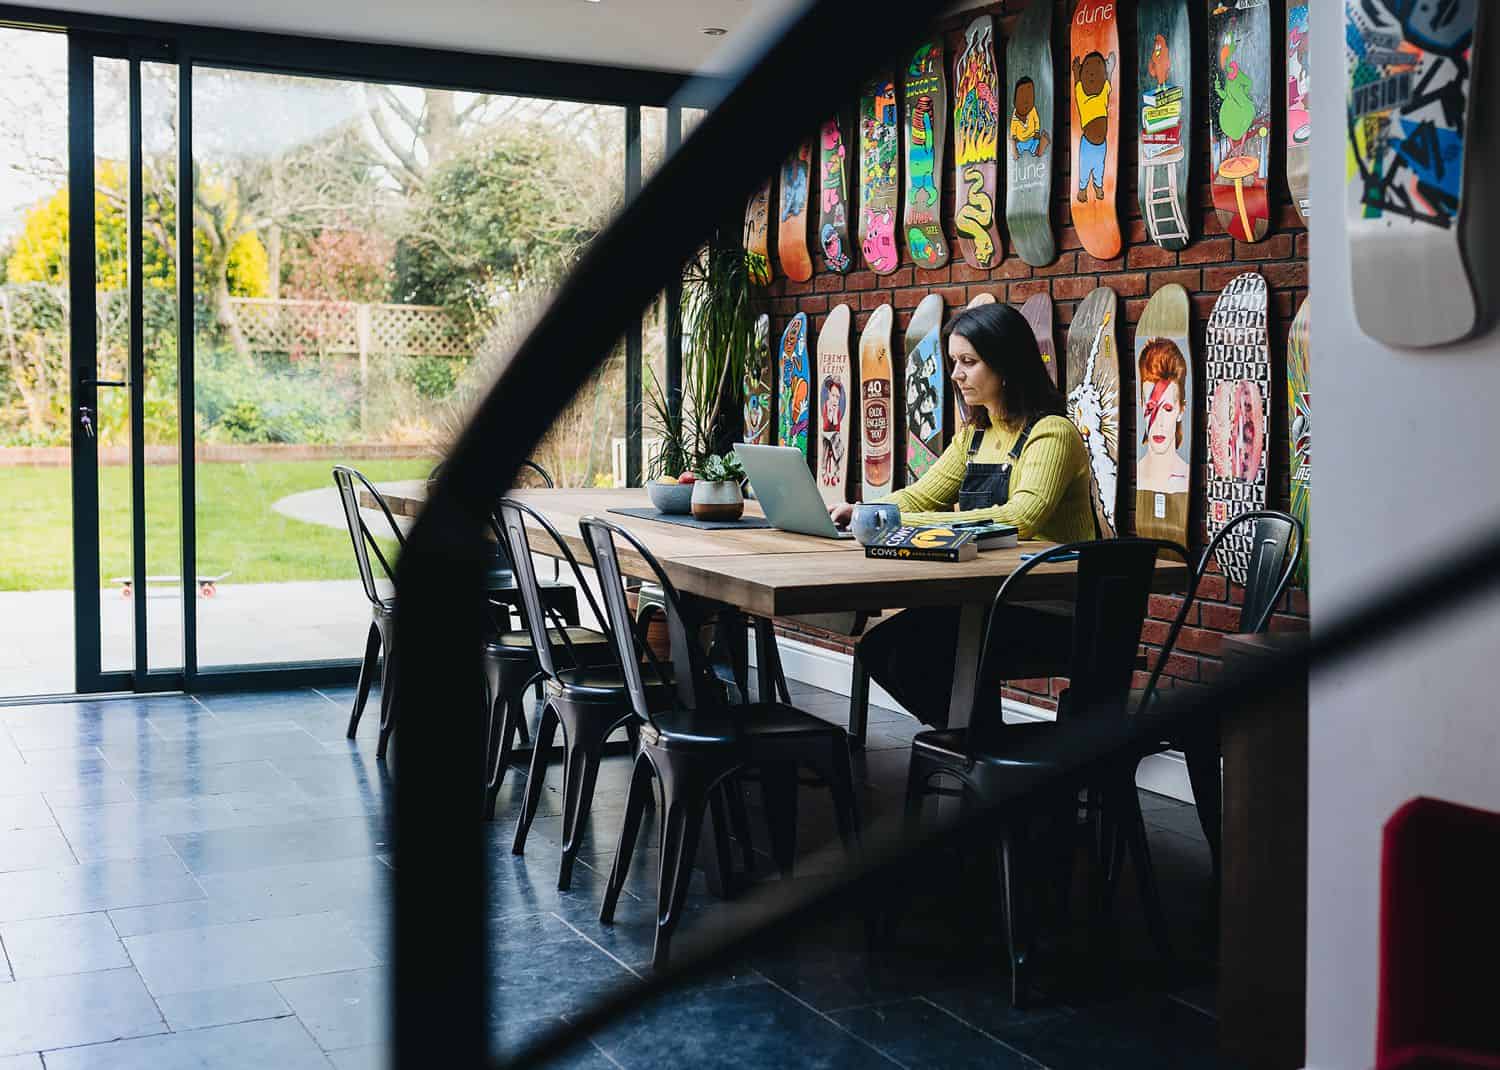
1204 268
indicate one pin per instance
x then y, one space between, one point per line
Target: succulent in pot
716 492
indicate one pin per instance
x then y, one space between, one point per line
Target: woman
1016 460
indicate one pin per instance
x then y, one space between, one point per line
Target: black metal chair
696 743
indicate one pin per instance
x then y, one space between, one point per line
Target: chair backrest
344 478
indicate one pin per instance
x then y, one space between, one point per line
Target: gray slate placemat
744 523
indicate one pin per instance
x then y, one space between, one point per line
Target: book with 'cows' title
924 543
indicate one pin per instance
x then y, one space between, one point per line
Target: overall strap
975 441
1015 451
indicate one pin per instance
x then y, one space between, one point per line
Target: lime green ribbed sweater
1049 488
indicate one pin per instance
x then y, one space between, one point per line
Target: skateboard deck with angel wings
757 408
878 173
1238 366
1094 97
1094 399
1299 426
758 235
1029 124
1165 114
791 234
1239 103
1164 416
925 126
877 416
794 381
1298 106
834 405
924 387
1038 313
833 200
976 146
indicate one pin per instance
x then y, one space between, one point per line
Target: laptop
786 491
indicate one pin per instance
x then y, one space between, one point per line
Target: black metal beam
633 348
187 424
135 372
674 288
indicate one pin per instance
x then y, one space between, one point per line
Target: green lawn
237 529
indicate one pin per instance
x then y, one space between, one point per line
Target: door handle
103 382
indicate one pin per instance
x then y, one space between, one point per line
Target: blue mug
873 519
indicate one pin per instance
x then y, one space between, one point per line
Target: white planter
717 501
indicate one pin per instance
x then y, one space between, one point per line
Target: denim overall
988 485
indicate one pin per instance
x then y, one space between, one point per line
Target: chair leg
840 779
778 785
1202 756
1011 848
1134 828
366 678
387 702
635 805
685 800
859 703
917 772
580 774
535 776
739 820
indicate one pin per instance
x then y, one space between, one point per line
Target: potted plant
716 492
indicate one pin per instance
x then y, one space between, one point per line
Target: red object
1439 938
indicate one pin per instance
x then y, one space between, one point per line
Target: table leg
966 663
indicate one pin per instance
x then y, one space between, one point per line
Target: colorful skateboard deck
1165 115
757 408
1029 120
1238 366
1094 97
833 204
758 235
1240 106
877 419
925 126
1298 106
1412 250
791 235
794 383
834 406
878 168
976 146
1299 425
1164 416
924 388
1038 313
1094 400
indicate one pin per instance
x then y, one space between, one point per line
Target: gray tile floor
192 882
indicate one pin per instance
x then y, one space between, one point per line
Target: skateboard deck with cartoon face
1164 416
976 146
1298 106
794 380
758 235
1029 132
757 407
1238 367
1038 313
877 417
1094 399
1239 104
1094 97
925 128
834 406
833 201
1165 114
1299 428
879 167
924 388
791 234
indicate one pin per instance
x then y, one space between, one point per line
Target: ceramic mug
873 519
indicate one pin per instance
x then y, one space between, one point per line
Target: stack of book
961 542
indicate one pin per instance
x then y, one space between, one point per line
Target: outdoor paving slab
281 1043
222 1006
21 1062
26 812
34 848
97 886
77 943
82 1008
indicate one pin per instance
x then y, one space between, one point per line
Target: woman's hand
841 514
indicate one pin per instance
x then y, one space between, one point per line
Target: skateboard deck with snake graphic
794 380
1029 120
1094 399
1038 313
924 388
1298 106
1238 367
791 235
879 168
757 405
1239 105
834 406
1165 120
758 235
976 146
833 199
925 131
877 416
1094 97
1164 416
1299 427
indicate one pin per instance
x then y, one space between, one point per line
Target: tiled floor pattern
194 882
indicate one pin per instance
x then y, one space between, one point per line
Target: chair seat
724 727
1043 745
592 647
606 683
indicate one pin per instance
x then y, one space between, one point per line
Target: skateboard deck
1094 400
791 234
833 406
1038 313
1165 78
1299 425
794 383
1298 106
1094 97
1164 416
1409 148
924 388
877 413
1240 108
833 205
980 300
878 167
757 407
1238 366
976 146
926 126
758 235
1028 184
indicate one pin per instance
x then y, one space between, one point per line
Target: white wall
1405 467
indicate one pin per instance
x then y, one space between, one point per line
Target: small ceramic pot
873 519
717 501
671 497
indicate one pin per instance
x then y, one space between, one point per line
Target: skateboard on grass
1094 98
758 235
1414 250
924 388
1298 106
1299 427
877 411
833 202
1164 69
878 174
834 404
1038 313
757 408
791 234
1094 400
1029 119
793 380
926 125
1239 104
976 146
1164 416
208 586
1238 366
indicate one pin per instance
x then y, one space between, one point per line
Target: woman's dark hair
1003 339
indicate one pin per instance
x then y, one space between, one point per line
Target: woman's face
833 401
1163 434
975 381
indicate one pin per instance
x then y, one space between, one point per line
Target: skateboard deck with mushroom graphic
1238 366
834 406
1299 427
791 234
1038 313
833 199
1164 416
1094 399
877 415
757 407
1165 120
924 387
758 235
794 381
925 127
1029 130
879 168
1239 105
976 146
1095 126
1298 106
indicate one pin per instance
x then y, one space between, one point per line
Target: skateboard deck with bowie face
1094 97
925 133
877 417
1414 255
757 408
834 406
1298 106
1038 313
758 235
1030 112
1164 416
878 173
794 381
1094 399
1299 426
1238 366
1239 103
976 146
791 235
1164 112
833 202
924 388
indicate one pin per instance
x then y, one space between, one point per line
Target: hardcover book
924 543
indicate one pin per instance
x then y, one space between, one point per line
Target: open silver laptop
786 491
